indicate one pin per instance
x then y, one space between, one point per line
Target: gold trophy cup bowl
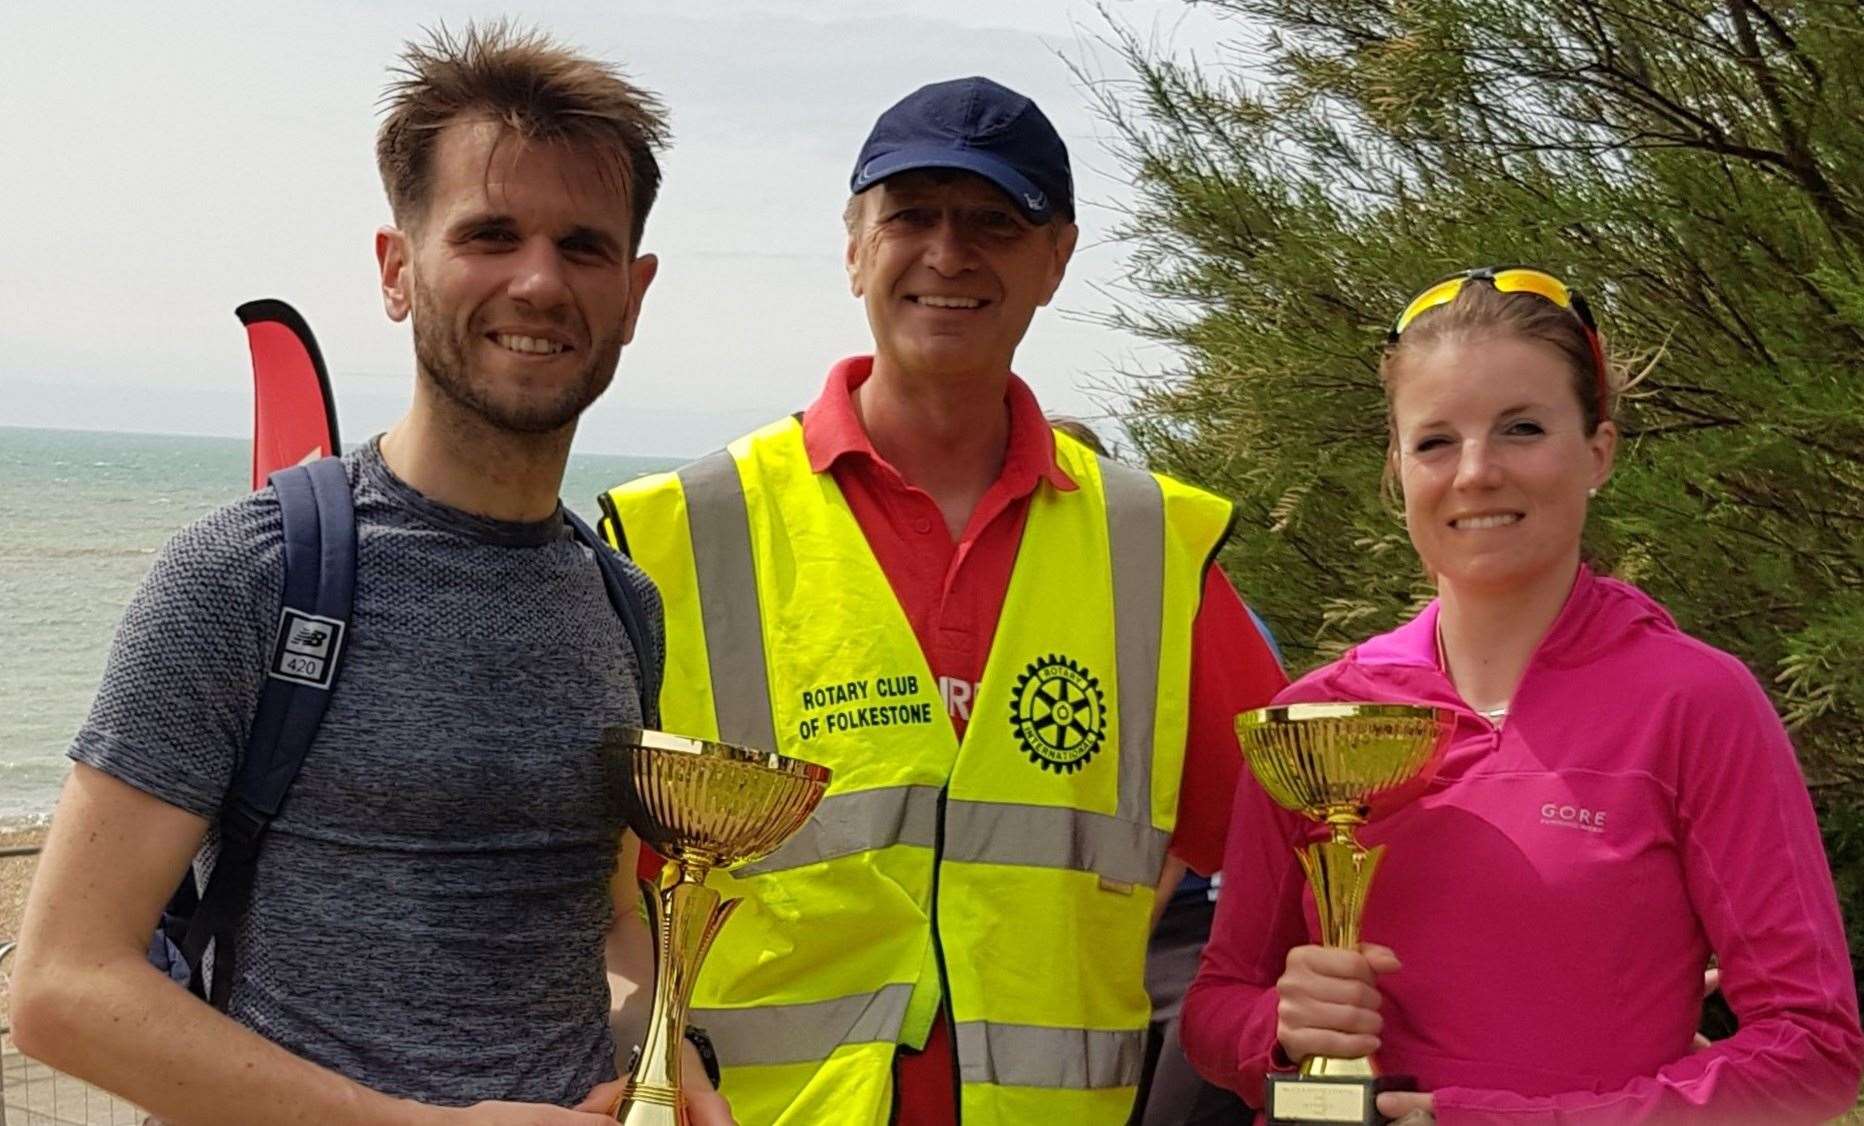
702 805
1332 763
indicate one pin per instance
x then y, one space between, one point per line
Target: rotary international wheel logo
1059 713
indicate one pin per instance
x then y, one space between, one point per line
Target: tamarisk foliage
1695 167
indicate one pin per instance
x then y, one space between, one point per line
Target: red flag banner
294 416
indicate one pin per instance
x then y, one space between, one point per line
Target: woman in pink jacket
1619 801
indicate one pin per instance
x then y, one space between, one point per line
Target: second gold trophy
1330 763
702 805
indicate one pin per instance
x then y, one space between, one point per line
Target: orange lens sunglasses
1512 279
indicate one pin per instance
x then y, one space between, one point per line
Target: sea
82 515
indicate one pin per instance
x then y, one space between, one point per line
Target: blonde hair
1480 310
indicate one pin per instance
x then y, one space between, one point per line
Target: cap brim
1032 201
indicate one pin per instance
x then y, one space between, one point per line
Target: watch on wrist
708 1056
702 1043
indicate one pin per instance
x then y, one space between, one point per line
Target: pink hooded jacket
1556 891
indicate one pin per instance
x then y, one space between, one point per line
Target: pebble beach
15 875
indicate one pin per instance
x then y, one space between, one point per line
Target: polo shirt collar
832 430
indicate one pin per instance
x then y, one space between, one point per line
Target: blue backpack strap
320 588
633 615
320 582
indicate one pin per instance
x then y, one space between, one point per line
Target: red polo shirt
952 592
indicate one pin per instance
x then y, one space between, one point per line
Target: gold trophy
1331 762
702 805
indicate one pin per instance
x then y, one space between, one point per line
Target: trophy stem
686 917
1330 762
1340 872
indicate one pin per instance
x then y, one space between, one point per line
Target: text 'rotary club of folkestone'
850 705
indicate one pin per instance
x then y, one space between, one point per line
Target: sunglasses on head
1512 279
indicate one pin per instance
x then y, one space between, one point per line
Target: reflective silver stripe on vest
1136 541
845 824
1027 1055
727 578
1125 847
1053 836
777 1034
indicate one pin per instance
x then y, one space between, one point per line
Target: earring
1592 492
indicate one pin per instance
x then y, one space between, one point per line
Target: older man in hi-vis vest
1016 656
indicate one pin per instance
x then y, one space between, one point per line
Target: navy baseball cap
975 125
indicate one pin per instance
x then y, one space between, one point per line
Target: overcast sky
165 162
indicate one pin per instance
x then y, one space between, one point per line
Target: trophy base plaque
1299 1100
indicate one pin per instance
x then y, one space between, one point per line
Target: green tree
1696 167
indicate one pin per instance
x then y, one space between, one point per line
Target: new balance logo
310 637
307 648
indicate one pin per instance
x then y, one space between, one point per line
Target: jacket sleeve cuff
1450 1107
1279 1061
1258 1052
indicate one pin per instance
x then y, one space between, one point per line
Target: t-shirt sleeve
648 863
1233 669
182 679
651 609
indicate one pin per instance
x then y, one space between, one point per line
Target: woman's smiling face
1494 460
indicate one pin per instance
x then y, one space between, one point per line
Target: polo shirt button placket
923 526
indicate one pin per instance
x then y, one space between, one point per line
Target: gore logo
1573 817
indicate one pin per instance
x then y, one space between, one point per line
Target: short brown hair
537 89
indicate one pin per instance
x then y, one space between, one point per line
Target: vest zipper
938 953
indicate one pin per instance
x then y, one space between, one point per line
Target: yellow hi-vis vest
1010 874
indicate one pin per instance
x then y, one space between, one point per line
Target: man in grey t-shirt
432 909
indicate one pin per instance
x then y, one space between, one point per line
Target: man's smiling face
519 276
950 271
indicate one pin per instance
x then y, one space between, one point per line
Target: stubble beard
440 355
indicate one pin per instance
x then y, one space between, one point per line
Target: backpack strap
627 604
320 581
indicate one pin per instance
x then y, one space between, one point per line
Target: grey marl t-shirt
429 909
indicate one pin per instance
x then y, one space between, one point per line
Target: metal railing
32 1094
